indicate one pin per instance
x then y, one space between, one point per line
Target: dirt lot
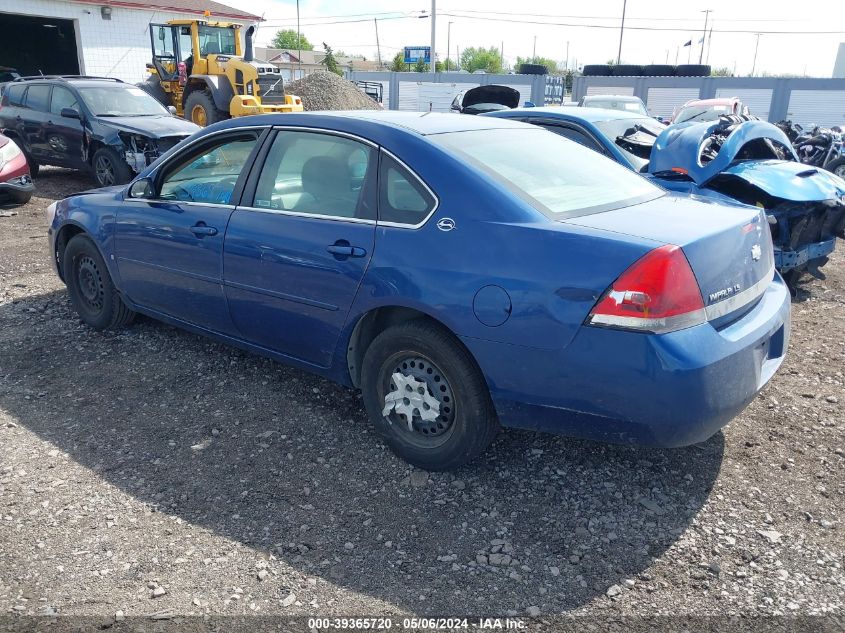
151 471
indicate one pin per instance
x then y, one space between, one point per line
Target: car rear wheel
109 168
92 293
426 397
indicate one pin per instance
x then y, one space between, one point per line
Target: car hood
151 126
789 180
502 95
679 147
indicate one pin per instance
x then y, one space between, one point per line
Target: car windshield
616 104
555 175
701 113
217 40
118 100
634 137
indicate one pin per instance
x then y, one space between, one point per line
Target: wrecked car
104 126
732 158
486 99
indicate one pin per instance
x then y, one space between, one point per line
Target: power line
636 28
613 17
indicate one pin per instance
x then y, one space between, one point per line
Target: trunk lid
728 247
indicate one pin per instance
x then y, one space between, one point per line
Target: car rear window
555 175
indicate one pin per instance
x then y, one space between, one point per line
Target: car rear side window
403 199
574 135
15 95
210 174
38 98
554 175
317 174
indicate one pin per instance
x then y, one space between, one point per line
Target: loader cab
203 47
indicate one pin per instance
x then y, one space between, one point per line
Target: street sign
413 54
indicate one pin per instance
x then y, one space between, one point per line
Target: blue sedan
448 268
730 159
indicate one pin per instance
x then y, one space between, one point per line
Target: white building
93 37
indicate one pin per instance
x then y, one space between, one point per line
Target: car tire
692 70
596 70
428 357
836 167
200 109
626 70
658 70
92 293
109 168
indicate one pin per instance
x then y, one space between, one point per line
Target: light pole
298 40
433 45
378 46
448 44
534 52
706 13
621 31
756 46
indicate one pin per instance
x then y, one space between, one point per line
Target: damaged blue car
731 159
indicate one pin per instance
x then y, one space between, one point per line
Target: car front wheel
92 293
426 397
109 168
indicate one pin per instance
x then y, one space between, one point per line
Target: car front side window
318 174
210 174
63 98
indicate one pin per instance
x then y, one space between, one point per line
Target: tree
398 64
287 38
449 64
722 72
550 64
486 59
329 61
420 66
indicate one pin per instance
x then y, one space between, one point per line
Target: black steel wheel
89 284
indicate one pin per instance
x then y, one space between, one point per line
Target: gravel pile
323 90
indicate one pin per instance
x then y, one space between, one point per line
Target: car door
34 117
169 240
296 252
64 134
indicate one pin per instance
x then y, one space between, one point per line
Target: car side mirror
70 113
142 188
172 110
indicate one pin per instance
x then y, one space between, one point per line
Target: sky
655 30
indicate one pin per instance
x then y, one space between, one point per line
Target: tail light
658 293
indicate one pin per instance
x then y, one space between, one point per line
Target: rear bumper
657 390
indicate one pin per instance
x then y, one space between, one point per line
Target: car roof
591 115
613 97
423 123
709 102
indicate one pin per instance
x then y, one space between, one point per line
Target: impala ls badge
446 224
756 252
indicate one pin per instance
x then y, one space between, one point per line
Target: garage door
422 96
758 100
822 107
38 46
664 101
610 90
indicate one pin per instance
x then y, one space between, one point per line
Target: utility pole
448 44
298 41
378 46
706 13
534 53
433 45
756 46
709 44
502 55
621 31
567 54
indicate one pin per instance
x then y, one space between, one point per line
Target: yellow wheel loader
198 67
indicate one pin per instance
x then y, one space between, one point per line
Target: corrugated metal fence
803 100
422 92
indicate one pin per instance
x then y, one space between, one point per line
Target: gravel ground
151 471
323 90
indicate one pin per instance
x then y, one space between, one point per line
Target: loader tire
200 109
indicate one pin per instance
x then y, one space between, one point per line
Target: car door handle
201 230
345 250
